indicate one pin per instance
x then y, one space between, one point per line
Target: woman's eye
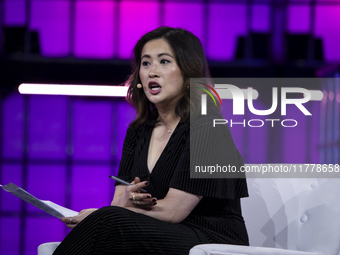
165 61
145 63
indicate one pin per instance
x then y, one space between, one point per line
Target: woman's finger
65 219
139 196
138 186
71 226
145 203
70 220
139 199
136 180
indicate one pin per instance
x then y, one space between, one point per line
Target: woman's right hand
72 222
132 197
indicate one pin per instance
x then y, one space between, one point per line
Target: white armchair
47 248
283 217
287 216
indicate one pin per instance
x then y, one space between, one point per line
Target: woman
177 212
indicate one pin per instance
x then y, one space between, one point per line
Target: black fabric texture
216 219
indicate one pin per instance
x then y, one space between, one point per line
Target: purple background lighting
223 38
91 130
9 233
185 15
327 20
15 14
73 145
94 29
299 19
256 137
49 119
10 173
294 142
260 18
48 229
13 126
91 187
63 148
96 134
46 182
136 18
52 20
106 29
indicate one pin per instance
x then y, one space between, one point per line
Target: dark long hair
191 60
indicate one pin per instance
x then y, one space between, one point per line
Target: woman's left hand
72 222
141 199
130 196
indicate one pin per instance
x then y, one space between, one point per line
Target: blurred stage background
63 148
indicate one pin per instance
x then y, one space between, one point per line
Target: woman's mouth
154 88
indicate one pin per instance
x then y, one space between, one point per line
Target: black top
172 170
217 217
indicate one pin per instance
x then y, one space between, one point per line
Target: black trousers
115 230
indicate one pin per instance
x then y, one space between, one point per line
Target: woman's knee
112 211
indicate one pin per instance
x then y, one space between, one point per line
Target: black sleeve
209 146
124 171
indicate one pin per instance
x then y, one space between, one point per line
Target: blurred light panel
9 235
185 15
42 230
314 149
47 132
136 18
126 114
336 137
73 90
52 21
92 142
12 126
90 187
260 19
15 12
237 130
94 29
256 137
327 25
43 181
294 140
10 173
298 19
227 22
330 119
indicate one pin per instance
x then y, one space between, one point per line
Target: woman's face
161 77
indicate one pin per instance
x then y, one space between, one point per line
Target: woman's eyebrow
145 56
164 54
159 55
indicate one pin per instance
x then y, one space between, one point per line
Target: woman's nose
154 71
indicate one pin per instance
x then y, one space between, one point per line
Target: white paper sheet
47 206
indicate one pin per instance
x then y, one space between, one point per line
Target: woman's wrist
118 201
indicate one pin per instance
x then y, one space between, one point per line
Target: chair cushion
47 248
226 249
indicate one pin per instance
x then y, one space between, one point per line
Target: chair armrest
227 249
47 248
